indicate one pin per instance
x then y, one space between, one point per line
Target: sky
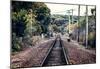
62 9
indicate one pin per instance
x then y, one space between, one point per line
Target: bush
92 39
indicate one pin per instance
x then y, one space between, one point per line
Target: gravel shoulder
31 57
79 54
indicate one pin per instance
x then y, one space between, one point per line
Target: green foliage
43 16
56 28
91 30
92 39
15 43
28 18
82 24
18 5
18 22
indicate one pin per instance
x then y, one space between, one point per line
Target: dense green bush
28 19
92 39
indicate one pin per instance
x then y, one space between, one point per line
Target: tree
28 19
42 15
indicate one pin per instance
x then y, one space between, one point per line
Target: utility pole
78 23
86 26
68 11
72 15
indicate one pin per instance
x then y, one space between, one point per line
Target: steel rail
63 50
48 53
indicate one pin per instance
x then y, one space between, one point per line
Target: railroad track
56 55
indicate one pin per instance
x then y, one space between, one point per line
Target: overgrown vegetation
91 30
28 19
32 19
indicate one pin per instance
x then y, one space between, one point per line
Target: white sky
59 8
